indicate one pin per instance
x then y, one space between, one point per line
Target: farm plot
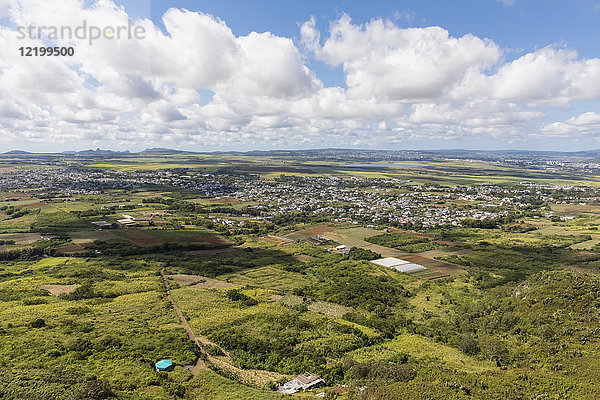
307 233
276 240
269 278
440 267
148 238
22 238
91 236
355 238
74 248
322 307
200 282
57 290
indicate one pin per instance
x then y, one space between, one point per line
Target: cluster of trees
357 253
286 342
404 242
236 295
121 248
494 264
212 265
39 249
14 211
59 222
350 284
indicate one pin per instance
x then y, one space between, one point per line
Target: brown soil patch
576 269
435 265
146 242
16 196
211 240
303 257
38 204
74 248
22 238
316 230
277 241
56 290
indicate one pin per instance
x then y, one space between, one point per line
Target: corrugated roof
389 262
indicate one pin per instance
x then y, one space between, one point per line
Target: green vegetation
58 222
356 253
404 242
506 309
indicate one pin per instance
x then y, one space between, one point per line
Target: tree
468 344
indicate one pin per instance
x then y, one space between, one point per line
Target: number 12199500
47 51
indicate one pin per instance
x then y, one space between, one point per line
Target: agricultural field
247 271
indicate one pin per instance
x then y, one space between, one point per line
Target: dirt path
258 377
199 363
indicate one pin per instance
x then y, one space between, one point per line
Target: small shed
164 365
301 382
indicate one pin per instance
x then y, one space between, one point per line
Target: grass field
269 278
420 347
148 237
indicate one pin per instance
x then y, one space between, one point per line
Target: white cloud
586 124
382 60
415 83
550 74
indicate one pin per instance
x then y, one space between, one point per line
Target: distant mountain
99 152
17 152
163 150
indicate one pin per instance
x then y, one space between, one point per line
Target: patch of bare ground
315 230
36 204
22 238
56 290
276 240
74 248
200 282
16 196
576 269
303 257
258 377
436 265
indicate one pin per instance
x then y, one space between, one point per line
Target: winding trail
255 376
199 363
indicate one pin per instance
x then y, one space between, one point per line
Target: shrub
38 323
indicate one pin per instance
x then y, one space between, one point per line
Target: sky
248 75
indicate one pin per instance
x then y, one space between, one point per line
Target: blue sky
526 24
247 75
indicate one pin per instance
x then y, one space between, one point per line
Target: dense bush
236 295
404 242
357 253
349 283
